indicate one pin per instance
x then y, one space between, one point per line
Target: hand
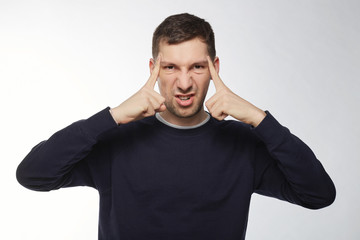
144 103
225 103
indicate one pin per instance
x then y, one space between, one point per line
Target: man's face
184 80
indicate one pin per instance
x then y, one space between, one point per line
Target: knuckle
151 112
208 105
156 105
225 104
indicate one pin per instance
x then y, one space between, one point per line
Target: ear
151 65
217 64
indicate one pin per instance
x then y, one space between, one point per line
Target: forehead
190 51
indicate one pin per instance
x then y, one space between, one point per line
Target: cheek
202 81
164 82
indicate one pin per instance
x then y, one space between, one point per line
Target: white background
61 61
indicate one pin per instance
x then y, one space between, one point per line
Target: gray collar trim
161 119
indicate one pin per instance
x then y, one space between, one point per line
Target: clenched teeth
184 98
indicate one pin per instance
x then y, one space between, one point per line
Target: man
167 169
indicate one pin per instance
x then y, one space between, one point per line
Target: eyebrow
164 63
201 63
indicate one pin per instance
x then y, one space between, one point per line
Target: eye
169 67
199 68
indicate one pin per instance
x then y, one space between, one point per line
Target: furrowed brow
163 63
205 63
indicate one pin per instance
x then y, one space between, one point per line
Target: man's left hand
226 103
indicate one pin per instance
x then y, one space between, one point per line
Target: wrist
116 115
257 117
113 116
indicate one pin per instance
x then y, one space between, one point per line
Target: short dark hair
183 27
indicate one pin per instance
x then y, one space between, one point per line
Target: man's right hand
146 102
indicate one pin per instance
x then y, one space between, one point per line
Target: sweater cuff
99 123
270 131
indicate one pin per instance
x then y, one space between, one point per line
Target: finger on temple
155 73
214 75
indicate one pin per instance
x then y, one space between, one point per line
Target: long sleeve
294 173
50 164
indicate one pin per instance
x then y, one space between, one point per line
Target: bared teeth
184 98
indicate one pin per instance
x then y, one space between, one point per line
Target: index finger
155 73
214 75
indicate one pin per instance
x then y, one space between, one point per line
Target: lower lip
185 103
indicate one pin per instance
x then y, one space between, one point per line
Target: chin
186 113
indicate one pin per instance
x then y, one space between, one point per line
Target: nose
184 81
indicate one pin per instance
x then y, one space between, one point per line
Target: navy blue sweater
157 182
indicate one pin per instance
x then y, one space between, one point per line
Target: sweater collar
161 119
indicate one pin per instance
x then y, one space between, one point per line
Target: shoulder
122 132
145 123
231 125
234 129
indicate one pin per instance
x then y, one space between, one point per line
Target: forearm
304 176
49 164
254 117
